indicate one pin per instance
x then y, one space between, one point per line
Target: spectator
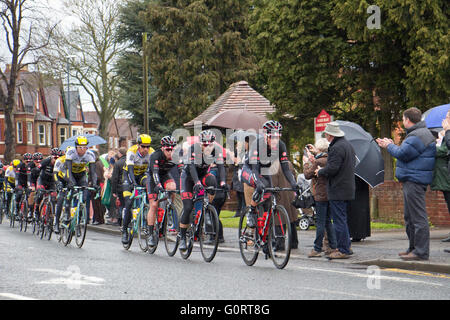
107 193
317 157
340 173
415 163
116 183
441 176
236 184
97 206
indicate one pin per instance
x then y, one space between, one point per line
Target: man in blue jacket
415 164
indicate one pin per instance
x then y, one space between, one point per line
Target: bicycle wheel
23 214
209 233
43 219
2 206
248 244
130 235
65 228
170 226
49 222
12 211
279 237
81 226
190 243
143 232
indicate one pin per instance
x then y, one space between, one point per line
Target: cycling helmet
27 156
81 141
38 156
54 152
207 137
272 125
168 141
144 139
15 162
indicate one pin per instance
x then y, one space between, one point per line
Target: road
39 269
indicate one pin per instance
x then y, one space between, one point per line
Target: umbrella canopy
93 140
369 161
434 116
237 119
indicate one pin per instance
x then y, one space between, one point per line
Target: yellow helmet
81 141
144 139
15 162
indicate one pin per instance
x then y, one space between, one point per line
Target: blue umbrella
93 140
434 116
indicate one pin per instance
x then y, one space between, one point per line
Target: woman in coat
317 157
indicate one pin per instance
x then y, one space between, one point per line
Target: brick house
42 118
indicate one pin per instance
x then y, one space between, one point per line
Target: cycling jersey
134 158
10 175
46 172
198 163
60 167
262 156
160 166
22 175
35 172
80 163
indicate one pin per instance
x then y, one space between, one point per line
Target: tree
197 48
129 68
91 50
21 23
389 65
298 51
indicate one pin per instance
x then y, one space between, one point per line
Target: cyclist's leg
19 193
38 197
153 206
186 186
59 204
127 189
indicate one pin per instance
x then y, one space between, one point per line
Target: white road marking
15 296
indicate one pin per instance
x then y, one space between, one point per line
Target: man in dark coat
340 172
116 181
415 164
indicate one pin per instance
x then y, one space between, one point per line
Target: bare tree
90 49
21 23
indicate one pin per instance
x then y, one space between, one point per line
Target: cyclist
195 176
134 174
10 180
36 168
23 177
60 178
77 160
159 179
2 179
262 153
45 180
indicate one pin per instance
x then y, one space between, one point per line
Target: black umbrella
369 161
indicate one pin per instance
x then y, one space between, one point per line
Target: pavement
380 249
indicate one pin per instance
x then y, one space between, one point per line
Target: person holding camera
315 158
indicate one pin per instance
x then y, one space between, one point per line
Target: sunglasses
169 149
145 147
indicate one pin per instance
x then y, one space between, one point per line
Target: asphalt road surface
31 268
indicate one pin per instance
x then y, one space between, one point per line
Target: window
29 132
62 135
19 132
49 135
41 134
74 132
